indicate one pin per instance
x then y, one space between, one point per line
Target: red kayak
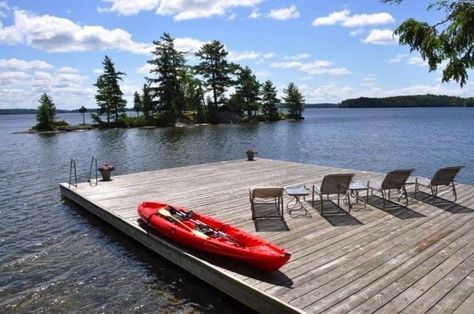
208 234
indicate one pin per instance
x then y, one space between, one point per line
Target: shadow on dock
393 208
275 278
335 215
441 203
270 225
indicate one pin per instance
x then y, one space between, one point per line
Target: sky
332 50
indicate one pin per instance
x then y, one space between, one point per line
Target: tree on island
248 90
449 40
147 104
46 114
215 71
109 96
137 103
166 87
294 101
82 111
269 101
193 93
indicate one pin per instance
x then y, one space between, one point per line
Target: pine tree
215 70
294 101
193 93
166 87
269 101
46 114
248 89
147 104
137 103
109 96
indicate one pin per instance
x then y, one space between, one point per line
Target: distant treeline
408 101
322 105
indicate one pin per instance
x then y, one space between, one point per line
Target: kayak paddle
165 213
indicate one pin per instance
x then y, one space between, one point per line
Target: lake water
56 257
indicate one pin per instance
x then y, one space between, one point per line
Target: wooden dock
413 259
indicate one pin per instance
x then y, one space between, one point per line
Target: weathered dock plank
412 259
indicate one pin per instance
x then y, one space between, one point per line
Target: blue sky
332 50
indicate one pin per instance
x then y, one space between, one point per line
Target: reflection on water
54 256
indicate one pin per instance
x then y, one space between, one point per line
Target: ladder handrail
90 172
72 167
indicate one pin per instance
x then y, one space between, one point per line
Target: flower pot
250 156
105 174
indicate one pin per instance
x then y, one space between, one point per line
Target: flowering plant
106 167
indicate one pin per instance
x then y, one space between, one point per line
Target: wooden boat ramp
413 259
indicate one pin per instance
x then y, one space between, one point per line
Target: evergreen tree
109 96
137 103
83 111
248 88
167 64
215 70
147 104
270 101
294 101
193 93
450 40
46 114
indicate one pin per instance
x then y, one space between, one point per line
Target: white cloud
397 59
4 8
255 14
145 69
127 7
313 68
263 74
357 20
249 55
284 14
55 34
381 37
268 55
22 65
299 56
356 32
334 92
232 17
418 61
22 82
178 9
187 44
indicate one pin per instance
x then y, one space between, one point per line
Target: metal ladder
73 173
93 162
72 169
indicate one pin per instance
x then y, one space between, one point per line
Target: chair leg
404 190
321 209
416 186
454 192
433 193
383 198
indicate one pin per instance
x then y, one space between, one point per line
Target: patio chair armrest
316 189
423 182
374 185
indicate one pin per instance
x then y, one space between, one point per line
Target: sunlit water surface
56 257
